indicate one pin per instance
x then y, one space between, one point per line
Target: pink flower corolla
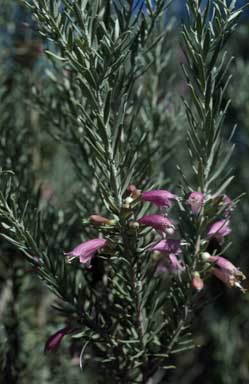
160 197
168 246
219 230
85 251
169 262
227 272
54 340
196 201
173 263
158 222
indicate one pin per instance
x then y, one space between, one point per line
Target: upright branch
206 69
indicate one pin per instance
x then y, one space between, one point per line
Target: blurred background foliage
222 326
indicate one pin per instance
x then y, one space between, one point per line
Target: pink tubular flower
168 246
196 201
85 251
173 263
160 197
54 340
158 222
226 272
169 249
219 230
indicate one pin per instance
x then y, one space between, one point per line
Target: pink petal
158 222
159 197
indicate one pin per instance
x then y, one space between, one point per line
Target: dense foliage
98 124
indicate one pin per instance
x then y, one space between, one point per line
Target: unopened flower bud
134 224
203 242
126 206
97 219
128 200
112 222
54 340
169 231
205 256
197 281
156 255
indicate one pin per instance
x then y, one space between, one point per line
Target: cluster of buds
196 201
160 222
167 250
218 230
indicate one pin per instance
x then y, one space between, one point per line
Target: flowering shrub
129 287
